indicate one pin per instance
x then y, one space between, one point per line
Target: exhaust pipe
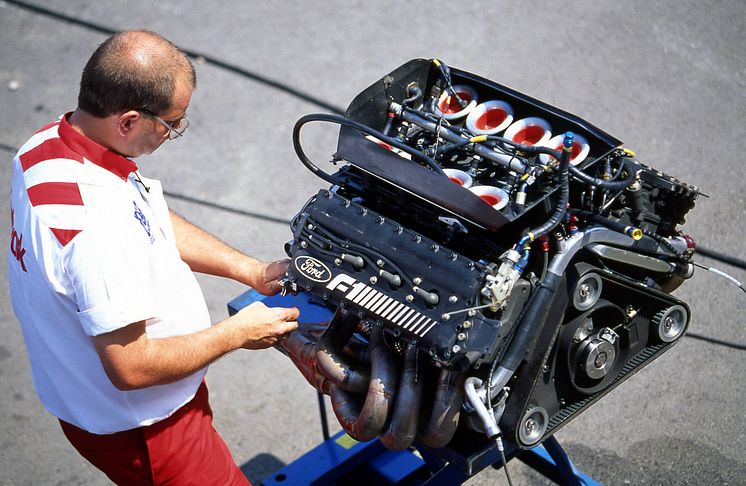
403 427
365 423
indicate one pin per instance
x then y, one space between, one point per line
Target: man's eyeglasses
176 128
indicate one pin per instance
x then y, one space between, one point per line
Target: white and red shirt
93 251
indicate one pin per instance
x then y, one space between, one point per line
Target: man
101 280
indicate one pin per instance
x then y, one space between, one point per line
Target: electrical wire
721 274
336 241
501 448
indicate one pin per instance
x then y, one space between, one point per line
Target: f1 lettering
16 243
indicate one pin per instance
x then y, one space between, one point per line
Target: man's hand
259 326
132 360
267 276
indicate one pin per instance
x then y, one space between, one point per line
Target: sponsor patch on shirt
140 216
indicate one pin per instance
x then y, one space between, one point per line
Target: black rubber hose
561 208
538 309
613 185
615 225
416 94
340 120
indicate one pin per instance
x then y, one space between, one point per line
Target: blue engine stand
341 460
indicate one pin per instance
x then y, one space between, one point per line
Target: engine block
487 278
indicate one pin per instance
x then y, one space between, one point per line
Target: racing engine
494 265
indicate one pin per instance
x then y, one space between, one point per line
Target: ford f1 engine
494 265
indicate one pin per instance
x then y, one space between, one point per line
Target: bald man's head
133 70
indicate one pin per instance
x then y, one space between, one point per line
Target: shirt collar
117 164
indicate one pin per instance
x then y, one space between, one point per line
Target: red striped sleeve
64 236
55 193
54 148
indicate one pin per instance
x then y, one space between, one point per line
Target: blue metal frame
341 459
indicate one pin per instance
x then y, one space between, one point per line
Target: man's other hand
259 326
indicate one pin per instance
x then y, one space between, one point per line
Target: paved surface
668 78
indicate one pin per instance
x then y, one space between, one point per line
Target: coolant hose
402 429
631 231
340 120
538 310
613 185
488 421
561 208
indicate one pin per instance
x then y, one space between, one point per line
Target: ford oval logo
313 269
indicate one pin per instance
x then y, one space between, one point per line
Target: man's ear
127 121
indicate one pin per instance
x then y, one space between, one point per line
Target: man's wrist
249 271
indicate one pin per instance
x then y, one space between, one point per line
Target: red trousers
183 449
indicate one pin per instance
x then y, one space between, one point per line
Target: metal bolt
311 227
445 316
434 247
373 279
600 360
409 298
456 348
530 425
337 262
461 336
669 322
471 313
417 280
303 244
585 291
453 299
380 262
467 324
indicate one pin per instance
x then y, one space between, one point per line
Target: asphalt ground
666 77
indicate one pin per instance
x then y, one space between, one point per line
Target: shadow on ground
650 462
260 467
